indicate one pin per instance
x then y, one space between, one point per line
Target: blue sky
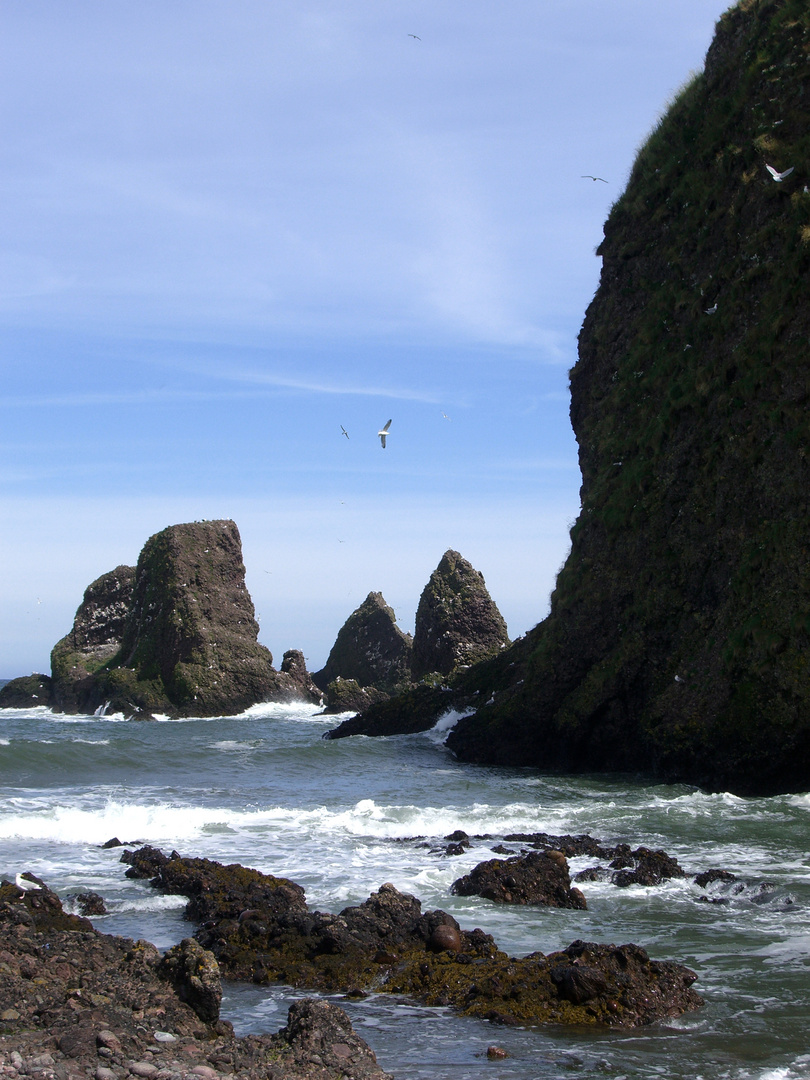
232 226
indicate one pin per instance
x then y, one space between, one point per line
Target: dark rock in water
177 635
370 649
645 867
26 692
536 878
415 710
708 877
90 903
347 695
457 621
389 944
98 630
678 635
75 1003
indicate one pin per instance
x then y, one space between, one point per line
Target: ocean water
341 818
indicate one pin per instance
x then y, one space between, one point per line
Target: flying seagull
383 433
779 176
588 176
415 36
345 432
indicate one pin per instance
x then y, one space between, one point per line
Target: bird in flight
779 176
415 37
383 433
345 432
588 176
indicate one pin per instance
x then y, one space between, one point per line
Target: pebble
143 1068
103 1073
165 1037
205 1071
497 1053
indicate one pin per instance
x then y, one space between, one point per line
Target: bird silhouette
345 432
587 176
383 433
415 36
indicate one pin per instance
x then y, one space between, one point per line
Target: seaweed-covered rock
457 621
411 711
26 692
388 943
370 648
194 974
536 878
347 695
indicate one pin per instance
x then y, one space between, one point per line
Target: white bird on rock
23 883
779 176
383 433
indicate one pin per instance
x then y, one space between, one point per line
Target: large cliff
678 641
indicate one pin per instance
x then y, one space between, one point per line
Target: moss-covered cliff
678 641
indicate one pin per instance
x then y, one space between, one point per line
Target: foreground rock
74 1002
388 943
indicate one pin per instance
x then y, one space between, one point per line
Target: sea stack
679 633
370 648
457 621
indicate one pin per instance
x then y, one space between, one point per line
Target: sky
233 228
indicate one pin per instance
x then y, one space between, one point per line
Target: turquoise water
343 817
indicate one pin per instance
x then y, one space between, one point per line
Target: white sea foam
444 725
5 742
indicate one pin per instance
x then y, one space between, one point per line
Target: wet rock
647 868
318 1030
708 877
536 878
457 622
347 695
90 903
415 710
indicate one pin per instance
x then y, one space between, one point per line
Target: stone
194 974
370 649
536 878
457 622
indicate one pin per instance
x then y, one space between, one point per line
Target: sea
342 817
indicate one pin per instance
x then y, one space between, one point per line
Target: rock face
457 622
679 632
176 635
370 648
98 629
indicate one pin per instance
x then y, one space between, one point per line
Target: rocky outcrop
679 630
457 622
347 695
98 630
259 928
370 648
537 878
76 1003
26 692
411 711
177 635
